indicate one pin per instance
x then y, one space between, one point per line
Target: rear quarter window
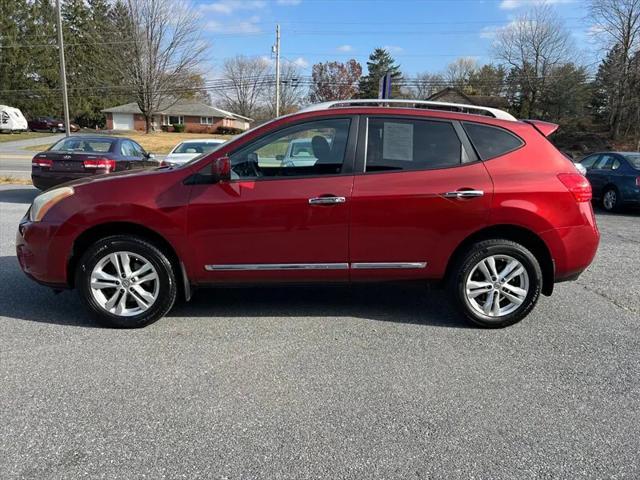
491 142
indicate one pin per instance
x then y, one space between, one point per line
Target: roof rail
403 103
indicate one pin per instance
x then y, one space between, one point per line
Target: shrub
178 127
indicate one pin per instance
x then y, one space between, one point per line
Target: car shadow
412 303
18 195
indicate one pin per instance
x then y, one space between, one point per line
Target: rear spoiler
545 128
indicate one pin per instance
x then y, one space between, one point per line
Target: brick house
197 117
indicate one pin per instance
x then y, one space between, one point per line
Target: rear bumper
572 249
45 180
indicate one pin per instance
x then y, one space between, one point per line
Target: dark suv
462 195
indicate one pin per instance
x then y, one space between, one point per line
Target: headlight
46 200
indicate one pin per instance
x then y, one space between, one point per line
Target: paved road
293 383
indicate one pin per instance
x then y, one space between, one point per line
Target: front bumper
41 255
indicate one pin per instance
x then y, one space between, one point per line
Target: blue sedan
615 178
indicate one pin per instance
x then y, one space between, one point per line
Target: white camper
12 120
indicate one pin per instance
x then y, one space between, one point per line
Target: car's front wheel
496 283
126 281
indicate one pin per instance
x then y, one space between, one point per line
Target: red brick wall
138 122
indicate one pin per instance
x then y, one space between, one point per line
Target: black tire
464 266
617 203
167 282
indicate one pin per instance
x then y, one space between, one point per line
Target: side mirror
221 169
151 156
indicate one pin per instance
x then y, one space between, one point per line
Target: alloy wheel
609 200
497 285
124 284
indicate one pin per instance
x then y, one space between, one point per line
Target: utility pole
63 73
277 49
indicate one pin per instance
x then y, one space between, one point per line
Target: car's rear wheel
496 283
611 200
126 281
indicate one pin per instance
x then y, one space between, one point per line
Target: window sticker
398 141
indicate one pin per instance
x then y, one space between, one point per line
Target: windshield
87 145
634 159
197 147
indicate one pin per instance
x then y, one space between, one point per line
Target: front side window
395 144
127 149
605 163
312 148
589 161
490 141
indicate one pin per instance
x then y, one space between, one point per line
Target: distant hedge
229 130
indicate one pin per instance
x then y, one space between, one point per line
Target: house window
206 120
172 120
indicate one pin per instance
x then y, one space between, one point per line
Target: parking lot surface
324 382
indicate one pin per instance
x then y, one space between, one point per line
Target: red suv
464 195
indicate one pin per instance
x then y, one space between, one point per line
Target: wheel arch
96 232
521 235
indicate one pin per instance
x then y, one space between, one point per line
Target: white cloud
227 7
300 62
247 26
513 4
345 48
393 49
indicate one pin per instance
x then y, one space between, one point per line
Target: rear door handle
327 200
464 194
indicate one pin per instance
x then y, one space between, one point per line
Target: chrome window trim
385 265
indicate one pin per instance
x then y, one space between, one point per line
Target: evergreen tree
380 63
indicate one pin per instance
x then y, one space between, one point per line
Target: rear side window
395 144
491 142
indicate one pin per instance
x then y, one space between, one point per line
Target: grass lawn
159 142
12 137
4 180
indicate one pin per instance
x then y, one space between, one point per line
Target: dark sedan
82 156
615 178
49 124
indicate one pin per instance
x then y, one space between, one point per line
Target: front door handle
327 200
464 194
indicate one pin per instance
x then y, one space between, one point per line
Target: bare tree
459 71
246 80
291 90
426 84
533 45
162 54
334 81
618 24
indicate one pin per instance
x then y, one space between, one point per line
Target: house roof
181 107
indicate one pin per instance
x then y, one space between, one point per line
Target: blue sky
423 35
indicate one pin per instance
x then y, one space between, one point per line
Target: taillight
100 163
578 185
637 181
41 162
